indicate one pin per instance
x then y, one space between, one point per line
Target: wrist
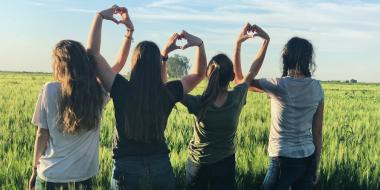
99 15
238 46
164 58
200 44
164 53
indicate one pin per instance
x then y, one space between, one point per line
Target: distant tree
178 66
353 81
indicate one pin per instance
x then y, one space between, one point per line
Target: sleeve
40 114
119 87
176 89
192 103
240 92
269 86
322 93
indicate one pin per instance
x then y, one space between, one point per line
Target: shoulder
318 86
50 88
118 86
240 88
175 84
176 89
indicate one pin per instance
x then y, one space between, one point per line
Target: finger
184 34
254 28
174 36
247 36
114 8
247 26
114 20
255 35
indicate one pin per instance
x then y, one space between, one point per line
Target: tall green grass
351 148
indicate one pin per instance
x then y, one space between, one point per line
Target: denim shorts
44 185
219 175
297 173
143 172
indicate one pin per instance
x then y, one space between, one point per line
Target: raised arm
105 73
169 47
259 59
42 137
239 78
317 135
190 81
126 44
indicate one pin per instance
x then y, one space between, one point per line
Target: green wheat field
351 147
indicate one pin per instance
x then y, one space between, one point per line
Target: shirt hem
53 180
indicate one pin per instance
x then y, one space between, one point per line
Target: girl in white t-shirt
68 114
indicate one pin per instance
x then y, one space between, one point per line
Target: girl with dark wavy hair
297 101
211 160
68 114
142 106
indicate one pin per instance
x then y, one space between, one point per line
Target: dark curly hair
298 54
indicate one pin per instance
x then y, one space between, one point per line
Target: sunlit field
351 148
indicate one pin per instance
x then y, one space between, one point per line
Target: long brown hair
146 122
219 73
80 102
298 54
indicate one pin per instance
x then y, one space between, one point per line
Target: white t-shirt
293 105
67 158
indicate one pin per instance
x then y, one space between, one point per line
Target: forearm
318 147
258 62
164 72
237 64
94 37
42 137
123 52
201 62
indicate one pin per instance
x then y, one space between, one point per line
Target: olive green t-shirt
214 138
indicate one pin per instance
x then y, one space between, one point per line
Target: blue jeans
219 175
297 173
143 172
44 185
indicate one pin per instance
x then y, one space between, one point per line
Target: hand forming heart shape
171 44
251 31
108 14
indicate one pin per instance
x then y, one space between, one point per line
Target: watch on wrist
164 58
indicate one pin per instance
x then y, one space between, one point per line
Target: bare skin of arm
42 137
317 135
105 73
259 59
190 81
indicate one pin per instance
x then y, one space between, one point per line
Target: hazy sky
345 34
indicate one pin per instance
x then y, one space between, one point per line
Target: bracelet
164 58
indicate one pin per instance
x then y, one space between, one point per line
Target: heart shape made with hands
252 31
115 14
181 41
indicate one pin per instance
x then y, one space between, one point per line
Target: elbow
42 134
200 76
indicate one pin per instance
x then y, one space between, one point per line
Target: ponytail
211 92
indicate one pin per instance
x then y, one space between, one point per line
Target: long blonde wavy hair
81 101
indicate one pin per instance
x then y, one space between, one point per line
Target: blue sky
345 34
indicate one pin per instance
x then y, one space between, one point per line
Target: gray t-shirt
293 105
67 158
